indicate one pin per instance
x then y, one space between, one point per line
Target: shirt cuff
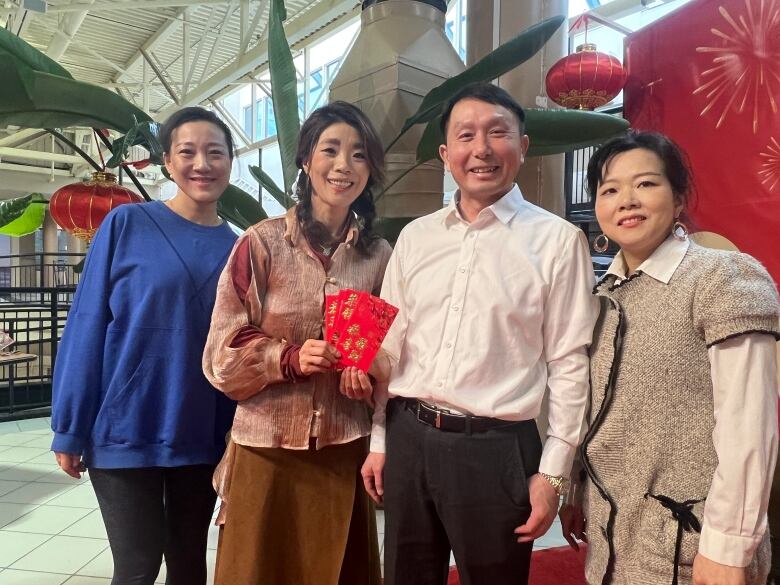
557 457
728 549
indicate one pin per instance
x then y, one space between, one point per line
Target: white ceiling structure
159 54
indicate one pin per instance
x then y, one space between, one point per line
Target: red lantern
586 79
81 207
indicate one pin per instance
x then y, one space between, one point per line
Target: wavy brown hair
363 206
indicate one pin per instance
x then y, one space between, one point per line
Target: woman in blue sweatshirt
130 401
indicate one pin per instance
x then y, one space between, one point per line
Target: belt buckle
437 424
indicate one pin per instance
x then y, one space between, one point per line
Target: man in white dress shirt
495 306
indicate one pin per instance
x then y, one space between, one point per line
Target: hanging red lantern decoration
79 208
585 80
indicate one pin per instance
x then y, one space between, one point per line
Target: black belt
450 422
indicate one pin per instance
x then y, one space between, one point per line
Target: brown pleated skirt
298 518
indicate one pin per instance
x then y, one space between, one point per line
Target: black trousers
465 493
153 512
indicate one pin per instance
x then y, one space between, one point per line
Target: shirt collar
294 235
661 264
504 209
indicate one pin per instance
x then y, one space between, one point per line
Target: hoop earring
680 231
601 246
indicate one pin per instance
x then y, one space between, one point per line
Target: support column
50 250
23 252
493 22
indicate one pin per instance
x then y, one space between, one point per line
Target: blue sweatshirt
128 388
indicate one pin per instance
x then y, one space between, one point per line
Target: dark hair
675 161
363 206
484 92
193 114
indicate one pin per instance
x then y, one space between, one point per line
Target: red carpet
551 566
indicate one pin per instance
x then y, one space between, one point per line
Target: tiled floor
51 532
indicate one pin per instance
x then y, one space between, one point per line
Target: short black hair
193 114
676 166
484 92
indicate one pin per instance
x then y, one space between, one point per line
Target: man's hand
544 507
573 525
317 356
707 572
71 464
372 476
356 385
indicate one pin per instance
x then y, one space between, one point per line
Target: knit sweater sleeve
242 370
737 297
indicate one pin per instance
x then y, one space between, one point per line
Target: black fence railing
40 271
35 321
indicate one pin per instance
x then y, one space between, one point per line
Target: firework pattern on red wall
708 75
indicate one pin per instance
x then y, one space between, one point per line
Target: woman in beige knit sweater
296 512
682 437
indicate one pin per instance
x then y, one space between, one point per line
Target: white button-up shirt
491 313
744 385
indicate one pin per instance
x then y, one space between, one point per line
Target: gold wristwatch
558 482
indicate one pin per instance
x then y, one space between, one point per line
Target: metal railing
36 271
35 322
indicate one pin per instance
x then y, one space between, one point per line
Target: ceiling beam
68 27
135 6
301 26
160 36
160 76
39 155
21 137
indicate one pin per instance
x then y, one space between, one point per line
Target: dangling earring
680 231
601 243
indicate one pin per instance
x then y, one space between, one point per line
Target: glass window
248 120
270 120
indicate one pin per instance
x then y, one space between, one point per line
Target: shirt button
331 280
471 236
463 269
456 308
317 413
449 345
440 384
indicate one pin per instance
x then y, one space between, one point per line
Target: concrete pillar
23 261
493 22
50 249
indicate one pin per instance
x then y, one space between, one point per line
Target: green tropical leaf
431 139
267 183
240 208
505 58
30 56
29 221
34 99
12 209
284 92
121 146
145 134
557 131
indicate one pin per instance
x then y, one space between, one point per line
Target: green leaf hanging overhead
12 209
30 220
30 56
284 92
34 99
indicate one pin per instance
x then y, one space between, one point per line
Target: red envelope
365 322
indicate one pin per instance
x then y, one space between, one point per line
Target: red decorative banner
708 75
